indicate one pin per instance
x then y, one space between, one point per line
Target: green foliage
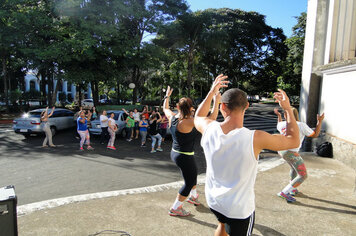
31 95
292 71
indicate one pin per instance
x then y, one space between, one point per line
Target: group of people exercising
231 150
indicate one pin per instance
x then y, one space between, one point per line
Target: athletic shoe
153 151
143 145
112 147
90 148
286 197
129 140
194 200
81 149
294 192
178 212
159 149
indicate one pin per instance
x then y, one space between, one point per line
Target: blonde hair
295 113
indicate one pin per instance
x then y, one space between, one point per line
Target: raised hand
169 91
217 97
276 111
282 98
219 82
320 118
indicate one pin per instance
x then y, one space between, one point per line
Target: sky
279 13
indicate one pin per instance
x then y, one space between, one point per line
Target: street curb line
52 203
48 204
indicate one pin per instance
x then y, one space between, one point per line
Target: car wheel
53 130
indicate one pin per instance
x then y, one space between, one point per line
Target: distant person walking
182 153
46 128
143 130
153 131
298 171
231 153
82 129
112 131
104 137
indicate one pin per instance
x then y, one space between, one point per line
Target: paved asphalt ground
45 173
326 205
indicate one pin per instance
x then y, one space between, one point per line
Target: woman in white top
112 131
298 171
104 127
46 128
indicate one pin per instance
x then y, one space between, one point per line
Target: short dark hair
235 99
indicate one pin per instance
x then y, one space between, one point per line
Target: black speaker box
8 211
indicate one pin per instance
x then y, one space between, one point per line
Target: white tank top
231 170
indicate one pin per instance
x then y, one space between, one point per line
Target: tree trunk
4 72
43 88
135 80
190 70
118 93
56 89
79 89
50 88
95 92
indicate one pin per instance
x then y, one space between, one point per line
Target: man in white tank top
231 153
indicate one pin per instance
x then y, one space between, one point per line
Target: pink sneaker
178 212
112 147
287 197
90 148
194 200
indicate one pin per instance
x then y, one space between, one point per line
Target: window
343 34
32 85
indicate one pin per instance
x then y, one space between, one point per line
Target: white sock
287 189
194 193
176 204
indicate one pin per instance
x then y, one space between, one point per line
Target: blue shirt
81 126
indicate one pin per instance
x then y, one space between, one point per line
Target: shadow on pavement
326 201
267 231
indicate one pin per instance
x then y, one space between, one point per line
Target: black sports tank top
182 142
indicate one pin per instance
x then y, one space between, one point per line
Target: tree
291 78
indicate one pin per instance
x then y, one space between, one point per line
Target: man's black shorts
236 227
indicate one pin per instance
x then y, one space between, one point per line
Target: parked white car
30 122
88 103
120 117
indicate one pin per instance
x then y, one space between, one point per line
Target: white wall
338 97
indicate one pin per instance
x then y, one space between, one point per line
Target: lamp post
132 86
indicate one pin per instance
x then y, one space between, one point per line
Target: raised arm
320 119
51 112
160 117
278 114
201 121
167 111
125 111
278 142
215 111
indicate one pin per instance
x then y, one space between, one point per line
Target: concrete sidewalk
325 206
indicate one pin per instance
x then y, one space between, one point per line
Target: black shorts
236 227
136 127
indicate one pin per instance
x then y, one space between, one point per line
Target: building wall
338 102
31 78
329 75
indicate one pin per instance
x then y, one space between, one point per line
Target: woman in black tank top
184 134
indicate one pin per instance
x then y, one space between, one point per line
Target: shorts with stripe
236 227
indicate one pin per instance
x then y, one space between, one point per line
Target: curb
52 203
